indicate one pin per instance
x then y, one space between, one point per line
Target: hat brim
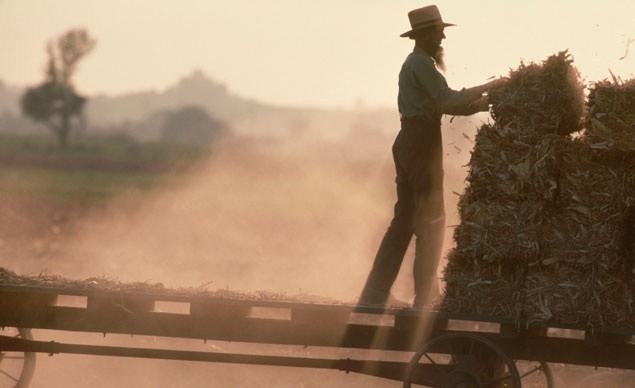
408 33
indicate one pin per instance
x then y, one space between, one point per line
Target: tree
55 102
191 125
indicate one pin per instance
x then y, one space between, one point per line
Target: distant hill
244 115
194 89
140 111
140 114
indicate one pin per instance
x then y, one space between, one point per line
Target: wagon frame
437 349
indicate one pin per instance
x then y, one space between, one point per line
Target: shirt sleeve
448 100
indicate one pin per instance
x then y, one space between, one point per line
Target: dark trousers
419 211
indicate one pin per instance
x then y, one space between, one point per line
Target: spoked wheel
16 368
461 360
535 374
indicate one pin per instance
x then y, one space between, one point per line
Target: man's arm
466 102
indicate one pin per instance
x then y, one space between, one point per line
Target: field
248 215
299 217
46 190
96 171
245 202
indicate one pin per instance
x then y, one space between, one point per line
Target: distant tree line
191 125
56 103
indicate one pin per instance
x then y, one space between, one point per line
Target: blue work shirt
424 92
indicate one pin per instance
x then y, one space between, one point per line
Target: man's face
431 41
436 37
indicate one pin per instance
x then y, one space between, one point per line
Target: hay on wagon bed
547 222
546 97
586 295
497 232
101 284
489 290
610 122
588 222
617 293
565 293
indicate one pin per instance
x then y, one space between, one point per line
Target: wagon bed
439 349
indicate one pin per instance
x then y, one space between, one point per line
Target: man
423 97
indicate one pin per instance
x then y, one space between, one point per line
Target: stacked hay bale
610 192
585 272
582 245
498 235
611 120
542 219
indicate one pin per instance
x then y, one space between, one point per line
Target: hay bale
501 164
546 97
587 295
493 290
547 229
565 293
610 122
581 274
512 164
587 221
617 294
497 231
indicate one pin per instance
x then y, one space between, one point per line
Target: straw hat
425 17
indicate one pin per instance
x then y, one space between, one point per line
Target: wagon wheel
461 360
16 368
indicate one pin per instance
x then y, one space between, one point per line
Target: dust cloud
300 215
253 217
296 216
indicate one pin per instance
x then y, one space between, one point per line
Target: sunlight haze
234 161
327 54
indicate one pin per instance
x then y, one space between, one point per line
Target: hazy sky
295 52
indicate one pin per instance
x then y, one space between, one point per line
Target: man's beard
439 59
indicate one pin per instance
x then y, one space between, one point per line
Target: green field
95 170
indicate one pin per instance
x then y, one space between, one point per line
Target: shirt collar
420 51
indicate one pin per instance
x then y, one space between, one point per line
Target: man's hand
480 105
497 82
